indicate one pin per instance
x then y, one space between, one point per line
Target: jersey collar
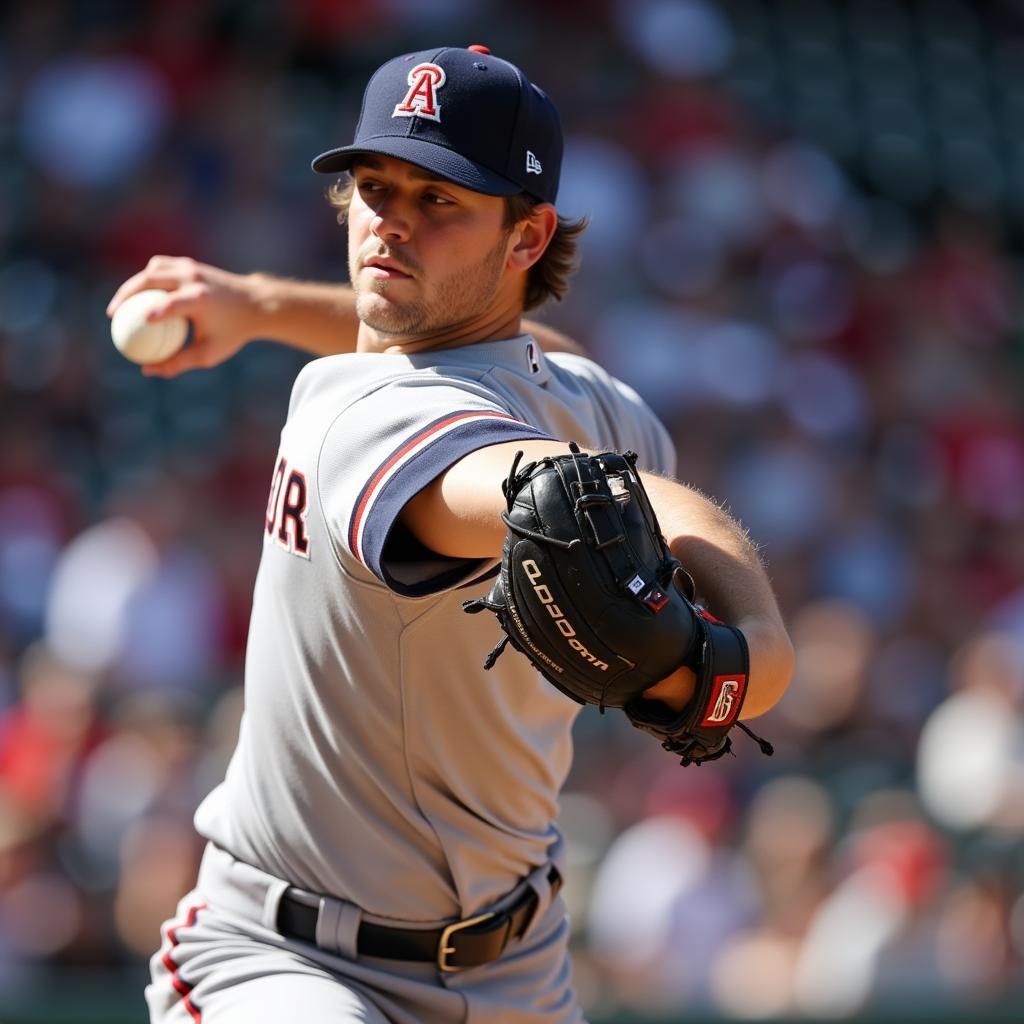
522 355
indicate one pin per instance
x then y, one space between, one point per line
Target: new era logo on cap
464 115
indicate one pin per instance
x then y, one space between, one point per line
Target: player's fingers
134 284
201 353
165 272
183 301
190 357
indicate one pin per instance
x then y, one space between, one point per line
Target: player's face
425 255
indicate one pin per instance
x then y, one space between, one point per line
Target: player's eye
437 200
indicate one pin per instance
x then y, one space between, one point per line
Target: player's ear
531 235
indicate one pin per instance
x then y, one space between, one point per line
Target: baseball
143 342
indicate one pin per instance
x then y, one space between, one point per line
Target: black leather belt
461 944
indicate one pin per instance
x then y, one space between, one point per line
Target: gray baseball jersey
377 761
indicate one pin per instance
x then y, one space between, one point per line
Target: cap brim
428 155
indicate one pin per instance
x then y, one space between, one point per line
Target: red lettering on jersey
286 510
275 493
291 532
421 99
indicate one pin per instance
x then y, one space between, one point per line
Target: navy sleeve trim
420 459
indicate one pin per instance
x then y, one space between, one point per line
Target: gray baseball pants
223 962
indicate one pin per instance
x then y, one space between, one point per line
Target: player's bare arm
459 515
228 310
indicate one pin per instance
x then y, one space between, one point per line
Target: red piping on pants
182 987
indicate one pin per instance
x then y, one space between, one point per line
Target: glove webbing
594 502
597 506
588 500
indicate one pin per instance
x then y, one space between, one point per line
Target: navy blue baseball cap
463 115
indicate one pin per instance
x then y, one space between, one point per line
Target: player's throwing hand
222 306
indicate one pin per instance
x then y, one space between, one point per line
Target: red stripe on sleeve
371 487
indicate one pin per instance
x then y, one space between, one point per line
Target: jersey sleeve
385 448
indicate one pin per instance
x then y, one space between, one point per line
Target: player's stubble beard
457 298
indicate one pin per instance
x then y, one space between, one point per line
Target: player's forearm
312 316
459 515
732 582
772 662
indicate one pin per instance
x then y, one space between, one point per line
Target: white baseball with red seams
140 340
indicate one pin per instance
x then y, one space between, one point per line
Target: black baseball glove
591 594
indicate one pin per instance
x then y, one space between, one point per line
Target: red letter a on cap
421 99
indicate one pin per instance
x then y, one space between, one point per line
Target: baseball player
384 846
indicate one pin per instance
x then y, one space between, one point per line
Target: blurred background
805 251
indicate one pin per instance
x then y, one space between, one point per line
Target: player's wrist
265 295
314 316
270 308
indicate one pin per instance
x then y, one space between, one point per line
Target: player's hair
548 278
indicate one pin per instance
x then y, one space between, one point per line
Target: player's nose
391 221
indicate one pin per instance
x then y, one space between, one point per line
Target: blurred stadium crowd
804 251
